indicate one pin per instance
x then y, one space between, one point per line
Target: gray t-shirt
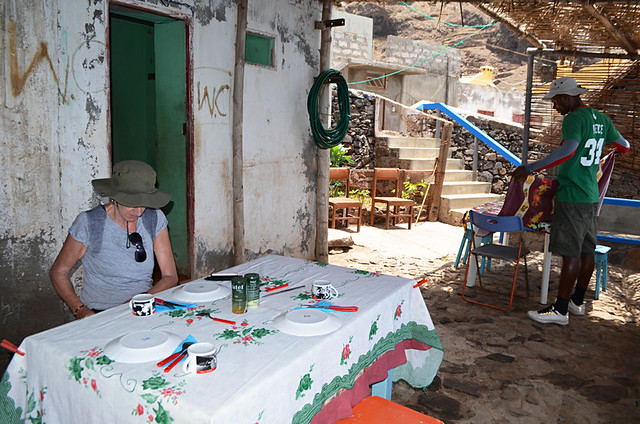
111 274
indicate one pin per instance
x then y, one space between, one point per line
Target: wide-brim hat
133 184
564 85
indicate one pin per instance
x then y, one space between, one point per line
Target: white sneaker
549 315
575 309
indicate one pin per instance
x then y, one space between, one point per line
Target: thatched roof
579 25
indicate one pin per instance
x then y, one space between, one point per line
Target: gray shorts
573 228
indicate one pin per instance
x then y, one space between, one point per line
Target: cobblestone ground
502 367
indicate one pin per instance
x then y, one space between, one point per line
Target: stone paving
502 367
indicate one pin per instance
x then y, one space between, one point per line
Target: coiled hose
326 139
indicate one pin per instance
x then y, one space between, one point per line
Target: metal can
253 290
238 295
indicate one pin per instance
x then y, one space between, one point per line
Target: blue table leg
383 388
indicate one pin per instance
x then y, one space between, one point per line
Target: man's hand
519 174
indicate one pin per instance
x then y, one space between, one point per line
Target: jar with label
238 295
253 290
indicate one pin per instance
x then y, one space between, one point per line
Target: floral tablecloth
263 375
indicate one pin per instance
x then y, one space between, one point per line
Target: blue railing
477 132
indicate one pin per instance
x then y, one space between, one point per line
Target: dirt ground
502 367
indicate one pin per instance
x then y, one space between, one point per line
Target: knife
334 308
282 291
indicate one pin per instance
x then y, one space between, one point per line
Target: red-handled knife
174 363
270 289
168 359
334 308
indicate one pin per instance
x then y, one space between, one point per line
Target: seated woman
117 243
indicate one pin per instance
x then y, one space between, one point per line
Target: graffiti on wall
81 58
213 95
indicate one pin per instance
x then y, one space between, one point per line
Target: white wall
503 103
55 133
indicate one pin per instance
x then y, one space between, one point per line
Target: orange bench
376 410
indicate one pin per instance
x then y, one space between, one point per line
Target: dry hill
448 24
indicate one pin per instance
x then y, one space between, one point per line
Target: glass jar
238 295
253 290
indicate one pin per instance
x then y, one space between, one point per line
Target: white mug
323 289
201 357
143 305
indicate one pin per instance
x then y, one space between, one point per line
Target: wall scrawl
213 94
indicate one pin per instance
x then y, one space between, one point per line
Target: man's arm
554 158
622 145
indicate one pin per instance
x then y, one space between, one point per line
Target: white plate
142 346
200 291
307 322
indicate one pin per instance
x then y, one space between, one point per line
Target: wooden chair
394 204
342 175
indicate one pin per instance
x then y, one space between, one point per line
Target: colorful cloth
534 197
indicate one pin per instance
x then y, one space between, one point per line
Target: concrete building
87 84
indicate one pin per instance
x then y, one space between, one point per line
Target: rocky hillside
496 45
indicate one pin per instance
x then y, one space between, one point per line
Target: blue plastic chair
497 224
601 257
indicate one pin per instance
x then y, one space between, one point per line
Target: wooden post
322 155
238 163
434 204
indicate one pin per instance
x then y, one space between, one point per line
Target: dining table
272 366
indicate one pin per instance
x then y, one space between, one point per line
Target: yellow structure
484 77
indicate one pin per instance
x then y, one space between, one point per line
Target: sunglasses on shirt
135 239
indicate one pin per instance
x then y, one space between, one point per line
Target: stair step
465 187
461 201
424 142
417 152
426 164
453 175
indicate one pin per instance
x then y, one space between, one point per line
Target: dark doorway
148 108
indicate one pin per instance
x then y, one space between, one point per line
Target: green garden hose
326 139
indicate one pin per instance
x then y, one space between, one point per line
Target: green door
148 108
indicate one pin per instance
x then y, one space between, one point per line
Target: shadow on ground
502 367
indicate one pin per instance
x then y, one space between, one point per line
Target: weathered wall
443 70
55 127
504 104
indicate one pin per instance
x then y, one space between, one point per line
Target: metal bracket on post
329 24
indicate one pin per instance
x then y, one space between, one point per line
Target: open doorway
149 109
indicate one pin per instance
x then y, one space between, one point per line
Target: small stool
465 245
376 410
601 258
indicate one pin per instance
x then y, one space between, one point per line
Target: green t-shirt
577 177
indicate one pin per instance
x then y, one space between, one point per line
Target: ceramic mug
323 289
201 357
143 305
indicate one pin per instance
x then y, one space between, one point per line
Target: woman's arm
164 256
72 251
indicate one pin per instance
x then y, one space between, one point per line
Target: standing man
573 229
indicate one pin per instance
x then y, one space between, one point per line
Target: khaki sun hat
133 184
564 85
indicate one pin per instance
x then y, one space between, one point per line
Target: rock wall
360 142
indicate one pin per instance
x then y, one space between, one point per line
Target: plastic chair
376 410
495 224
394 204
465 245
601 257
342 176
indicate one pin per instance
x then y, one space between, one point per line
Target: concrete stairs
460 191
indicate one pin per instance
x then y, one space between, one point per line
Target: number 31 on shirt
594 152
